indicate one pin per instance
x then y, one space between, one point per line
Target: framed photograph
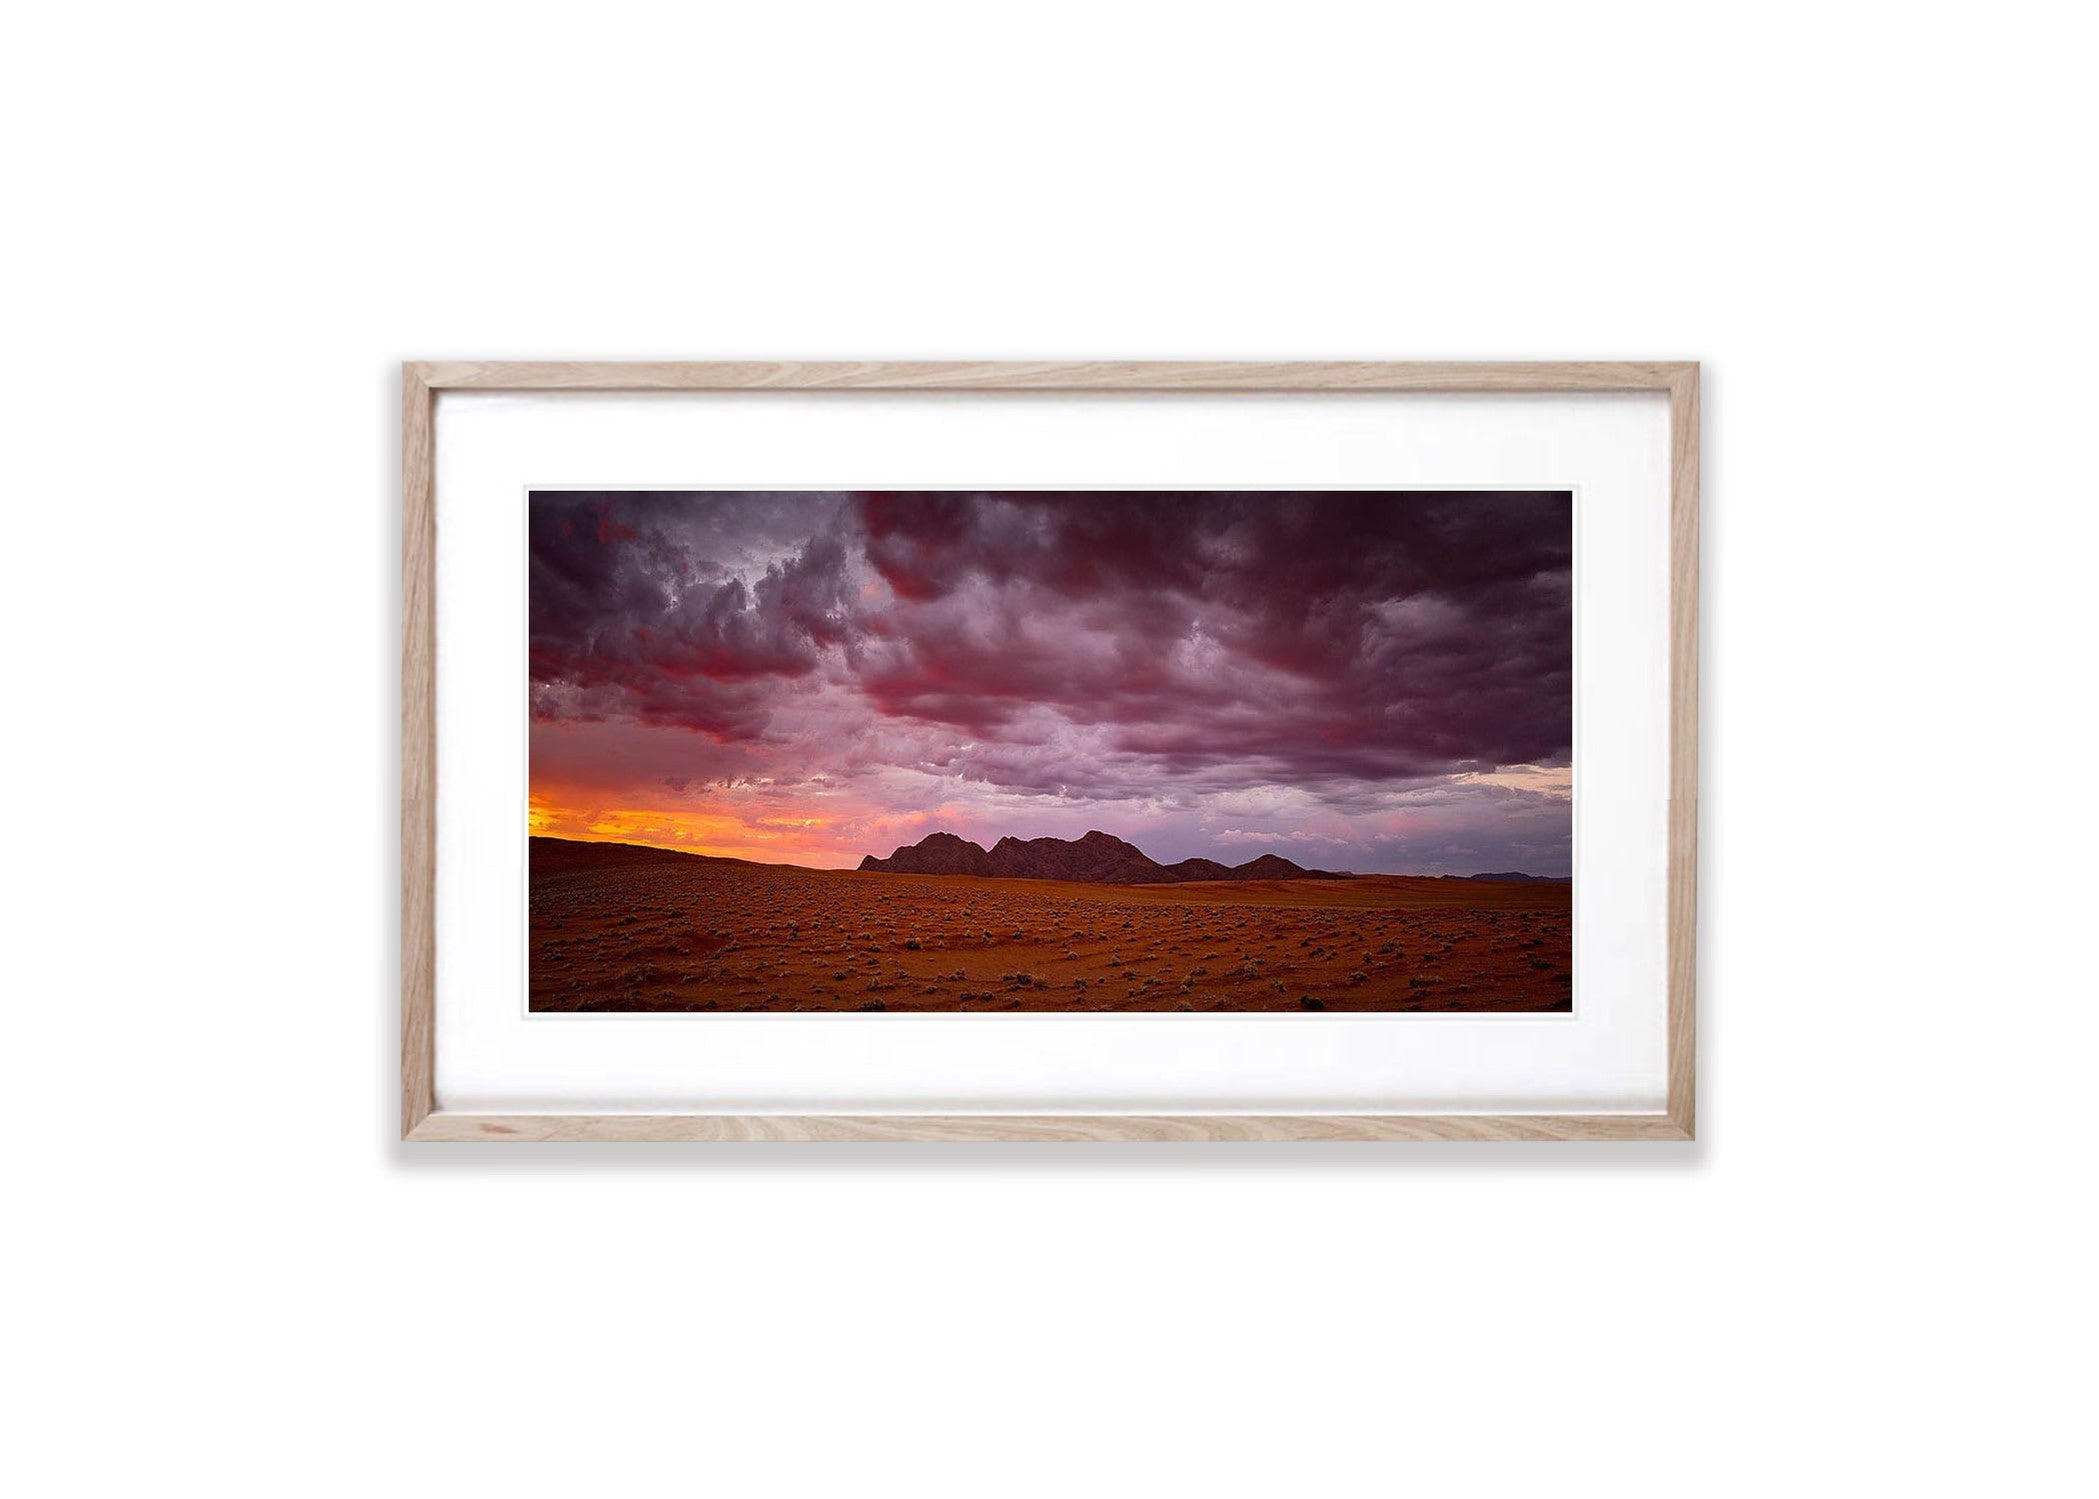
1049 751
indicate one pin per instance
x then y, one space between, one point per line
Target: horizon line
691 853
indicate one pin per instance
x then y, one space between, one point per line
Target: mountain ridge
1096 859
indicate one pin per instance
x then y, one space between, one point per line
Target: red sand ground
618 927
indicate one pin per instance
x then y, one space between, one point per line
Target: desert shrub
1311 1003
874 1004
1357 977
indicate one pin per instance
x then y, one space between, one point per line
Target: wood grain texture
421 382
1127 377
1039 1128
1683 750
418 752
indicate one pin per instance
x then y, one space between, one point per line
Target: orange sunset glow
770 838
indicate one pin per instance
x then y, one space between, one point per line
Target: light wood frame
420 385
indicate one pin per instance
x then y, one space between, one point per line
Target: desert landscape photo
1051 751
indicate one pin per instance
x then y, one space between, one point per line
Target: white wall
227 226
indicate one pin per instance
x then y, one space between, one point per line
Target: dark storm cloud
1321 634
636 608
1146 649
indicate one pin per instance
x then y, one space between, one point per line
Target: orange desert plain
624 927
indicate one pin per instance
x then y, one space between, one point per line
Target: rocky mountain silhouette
1097 859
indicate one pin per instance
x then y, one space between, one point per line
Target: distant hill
560 855
1097 859
1513 878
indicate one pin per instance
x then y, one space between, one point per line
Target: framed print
1049 751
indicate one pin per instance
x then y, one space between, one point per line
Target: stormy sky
1379 682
